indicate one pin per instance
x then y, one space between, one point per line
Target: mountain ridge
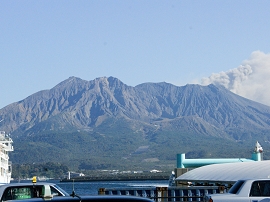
158 116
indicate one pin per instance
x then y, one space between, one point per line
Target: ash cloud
250 80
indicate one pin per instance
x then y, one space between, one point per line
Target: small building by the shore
71 174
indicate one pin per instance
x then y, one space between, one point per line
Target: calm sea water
91 188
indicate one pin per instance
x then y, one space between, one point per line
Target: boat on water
5 164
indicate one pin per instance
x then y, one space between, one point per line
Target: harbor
157 190
166 193
195 178
191 180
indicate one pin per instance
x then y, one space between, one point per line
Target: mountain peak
69 82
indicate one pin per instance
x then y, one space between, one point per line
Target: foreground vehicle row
38 192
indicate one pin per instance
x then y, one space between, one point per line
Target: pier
119 177
115 178
163 194
208 176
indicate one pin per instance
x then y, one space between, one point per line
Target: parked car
40 191
14 191
244 191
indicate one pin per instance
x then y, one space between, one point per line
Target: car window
266 188
235 188
260 188
16 193
60 192
255 189
55 192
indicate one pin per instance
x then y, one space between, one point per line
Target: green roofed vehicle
16 191
41 191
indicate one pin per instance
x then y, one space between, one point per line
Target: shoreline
115 178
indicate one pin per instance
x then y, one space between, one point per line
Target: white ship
5 165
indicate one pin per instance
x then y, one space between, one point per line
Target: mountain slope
151 122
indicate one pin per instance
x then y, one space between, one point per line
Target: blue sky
45 42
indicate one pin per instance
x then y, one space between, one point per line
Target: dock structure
185 165
132 177
182 162
163 194
197 177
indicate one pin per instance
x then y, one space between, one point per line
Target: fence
164 194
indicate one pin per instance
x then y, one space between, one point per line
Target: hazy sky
45 42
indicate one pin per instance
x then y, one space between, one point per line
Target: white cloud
250 80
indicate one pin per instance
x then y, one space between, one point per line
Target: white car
17 191
252 190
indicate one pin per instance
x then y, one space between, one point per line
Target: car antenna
73 194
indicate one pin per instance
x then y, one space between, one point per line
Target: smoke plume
250 80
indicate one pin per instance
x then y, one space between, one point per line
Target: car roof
26 184
4 186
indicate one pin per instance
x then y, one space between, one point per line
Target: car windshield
56 189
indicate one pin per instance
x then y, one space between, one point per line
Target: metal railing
164 194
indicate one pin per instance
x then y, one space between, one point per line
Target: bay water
91 188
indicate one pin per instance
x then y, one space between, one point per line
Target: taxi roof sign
34 180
